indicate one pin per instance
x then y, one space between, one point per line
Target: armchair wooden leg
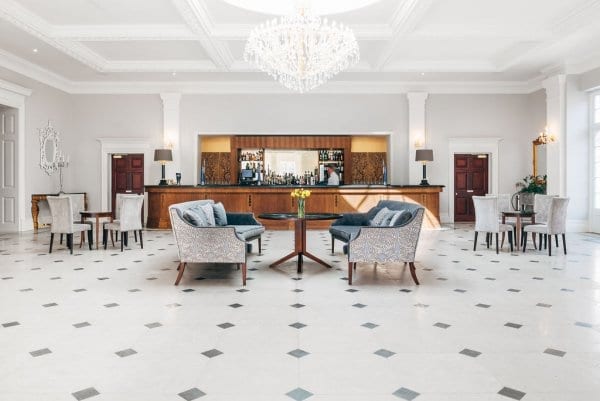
244 274
181 268
413 272
564 243
350 272
549 245
475 242
510 240
488 239
105 237
122 240
556 237
141 240
332 244
112 239
525 240
81 239
260 245
52 240
61 239
135 235
533 237
126 238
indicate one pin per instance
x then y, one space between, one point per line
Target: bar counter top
260 199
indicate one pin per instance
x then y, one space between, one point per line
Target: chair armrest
242 219
351 219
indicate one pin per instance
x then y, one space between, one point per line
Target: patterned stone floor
106 325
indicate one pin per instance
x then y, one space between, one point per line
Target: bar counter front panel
270 199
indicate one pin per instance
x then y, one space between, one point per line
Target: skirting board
573 225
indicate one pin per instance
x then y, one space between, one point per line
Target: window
596 148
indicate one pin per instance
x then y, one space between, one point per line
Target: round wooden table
300 235
87 214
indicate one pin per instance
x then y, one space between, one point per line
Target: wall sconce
163 156
543 138
424 156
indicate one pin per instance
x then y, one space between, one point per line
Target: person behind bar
334 178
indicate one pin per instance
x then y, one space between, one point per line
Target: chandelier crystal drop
301 51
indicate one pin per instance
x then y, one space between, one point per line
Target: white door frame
488 146
109 146
13 95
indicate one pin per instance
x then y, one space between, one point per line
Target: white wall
508 117
294 114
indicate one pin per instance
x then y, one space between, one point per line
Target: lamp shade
163 155
424 155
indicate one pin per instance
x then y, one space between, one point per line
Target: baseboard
445 218
578 226
26 225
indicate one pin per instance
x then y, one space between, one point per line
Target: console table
37 198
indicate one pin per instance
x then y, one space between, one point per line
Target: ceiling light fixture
301 51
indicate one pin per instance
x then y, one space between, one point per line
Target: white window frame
594 127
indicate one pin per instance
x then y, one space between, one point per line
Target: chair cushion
344 233
249 232
209 214
220 214
195 216
536 228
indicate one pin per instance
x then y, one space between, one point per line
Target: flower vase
301 207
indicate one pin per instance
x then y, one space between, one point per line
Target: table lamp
424 156
163 156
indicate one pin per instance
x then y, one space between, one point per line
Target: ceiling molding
91 33
584 14
334 87
18 89
196 16
243 66
161 66
406 17
242 31
33 71
440 66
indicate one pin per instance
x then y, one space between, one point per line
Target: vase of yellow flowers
300 194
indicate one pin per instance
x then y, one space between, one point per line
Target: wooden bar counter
271 199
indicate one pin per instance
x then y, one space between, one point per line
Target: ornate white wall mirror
49 149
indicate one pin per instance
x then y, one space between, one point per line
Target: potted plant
526 190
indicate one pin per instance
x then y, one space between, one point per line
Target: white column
556 126
171 137
416 133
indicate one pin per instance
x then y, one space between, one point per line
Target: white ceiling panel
149 50
501 15
22 45
92 12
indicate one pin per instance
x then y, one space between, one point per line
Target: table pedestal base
300 247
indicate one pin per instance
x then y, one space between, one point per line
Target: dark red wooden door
127 175
470 179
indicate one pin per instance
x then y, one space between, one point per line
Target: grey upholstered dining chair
61 210
556 224
130 219
486 220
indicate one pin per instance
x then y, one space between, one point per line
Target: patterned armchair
212 244
380 244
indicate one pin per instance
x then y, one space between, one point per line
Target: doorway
127 172
470 179
9 213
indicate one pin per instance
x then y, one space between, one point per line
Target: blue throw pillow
379 217
401 218
195 217
220 214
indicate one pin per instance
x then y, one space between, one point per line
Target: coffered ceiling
104 46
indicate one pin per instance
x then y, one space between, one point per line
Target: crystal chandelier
301 51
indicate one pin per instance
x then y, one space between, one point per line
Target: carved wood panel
367 168
218 167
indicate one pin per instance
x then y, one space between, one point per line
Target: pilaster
416 133
171 134
555 87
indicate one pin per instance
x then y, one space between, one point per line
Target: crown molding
406 17
92 33
33 71
441 66
334 87
241 31
18 89
196 16
161 66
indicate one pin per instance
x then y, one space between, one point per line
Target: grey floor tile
406 394
192 394
511 393
40 352
299 394
85 393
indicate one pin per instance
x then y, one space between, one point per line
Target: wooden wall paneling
218 167
367 168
